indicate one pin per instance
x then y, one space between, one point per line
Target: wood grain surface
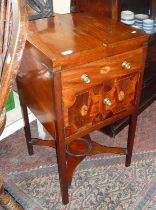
78 74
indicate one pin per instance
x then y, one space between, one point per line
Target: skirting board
14 119
15 126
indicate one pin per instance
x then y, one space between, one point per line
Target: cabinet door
100 102
119 95
86 109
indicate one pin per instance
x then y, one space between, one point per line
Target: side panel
36 86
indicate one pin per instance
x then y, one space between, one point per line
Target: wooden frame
13 26
13 29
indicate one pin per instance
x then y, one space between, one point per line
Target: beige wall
61 6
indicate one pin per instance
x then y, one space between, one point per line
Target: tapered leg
27 130
131 135
60 138
133 118
61 160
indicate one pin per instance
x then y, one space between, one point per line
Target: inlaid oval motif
84 110
121 95
105 70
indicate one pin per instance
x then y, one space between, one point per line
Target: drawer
101 102
86 76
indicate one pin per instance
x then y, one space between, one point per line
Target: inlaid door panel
119 95
96 104
86 109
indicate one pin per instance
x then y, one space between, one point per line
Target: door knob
107 102
85 78
126 65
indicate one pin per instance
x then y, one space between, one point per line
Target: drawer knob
126 65
107 102
85 78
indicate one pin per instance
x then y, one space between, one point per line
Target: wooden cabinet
100 89
149 82
78 74
111 98
112 9
103 8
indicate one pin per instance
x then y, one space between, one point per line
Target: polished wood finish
115 7
13 25
149 82
26 125
88 108
60 143
80 73
78 147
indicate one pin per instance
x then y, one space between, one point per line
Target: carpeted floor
98 184
20 171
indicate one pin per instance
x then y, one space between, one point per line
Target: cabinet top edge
63 35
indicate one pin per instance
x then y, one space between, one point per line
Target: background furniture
40 9
102 8
112 8
78 74
13 22
143 7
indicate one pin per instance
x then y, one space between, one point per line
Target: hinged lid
78 37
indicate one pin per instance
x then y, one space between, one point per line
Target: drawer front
86 76
100 102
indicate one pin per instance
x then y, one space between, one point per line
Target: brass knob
126 65
107 102
85 78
